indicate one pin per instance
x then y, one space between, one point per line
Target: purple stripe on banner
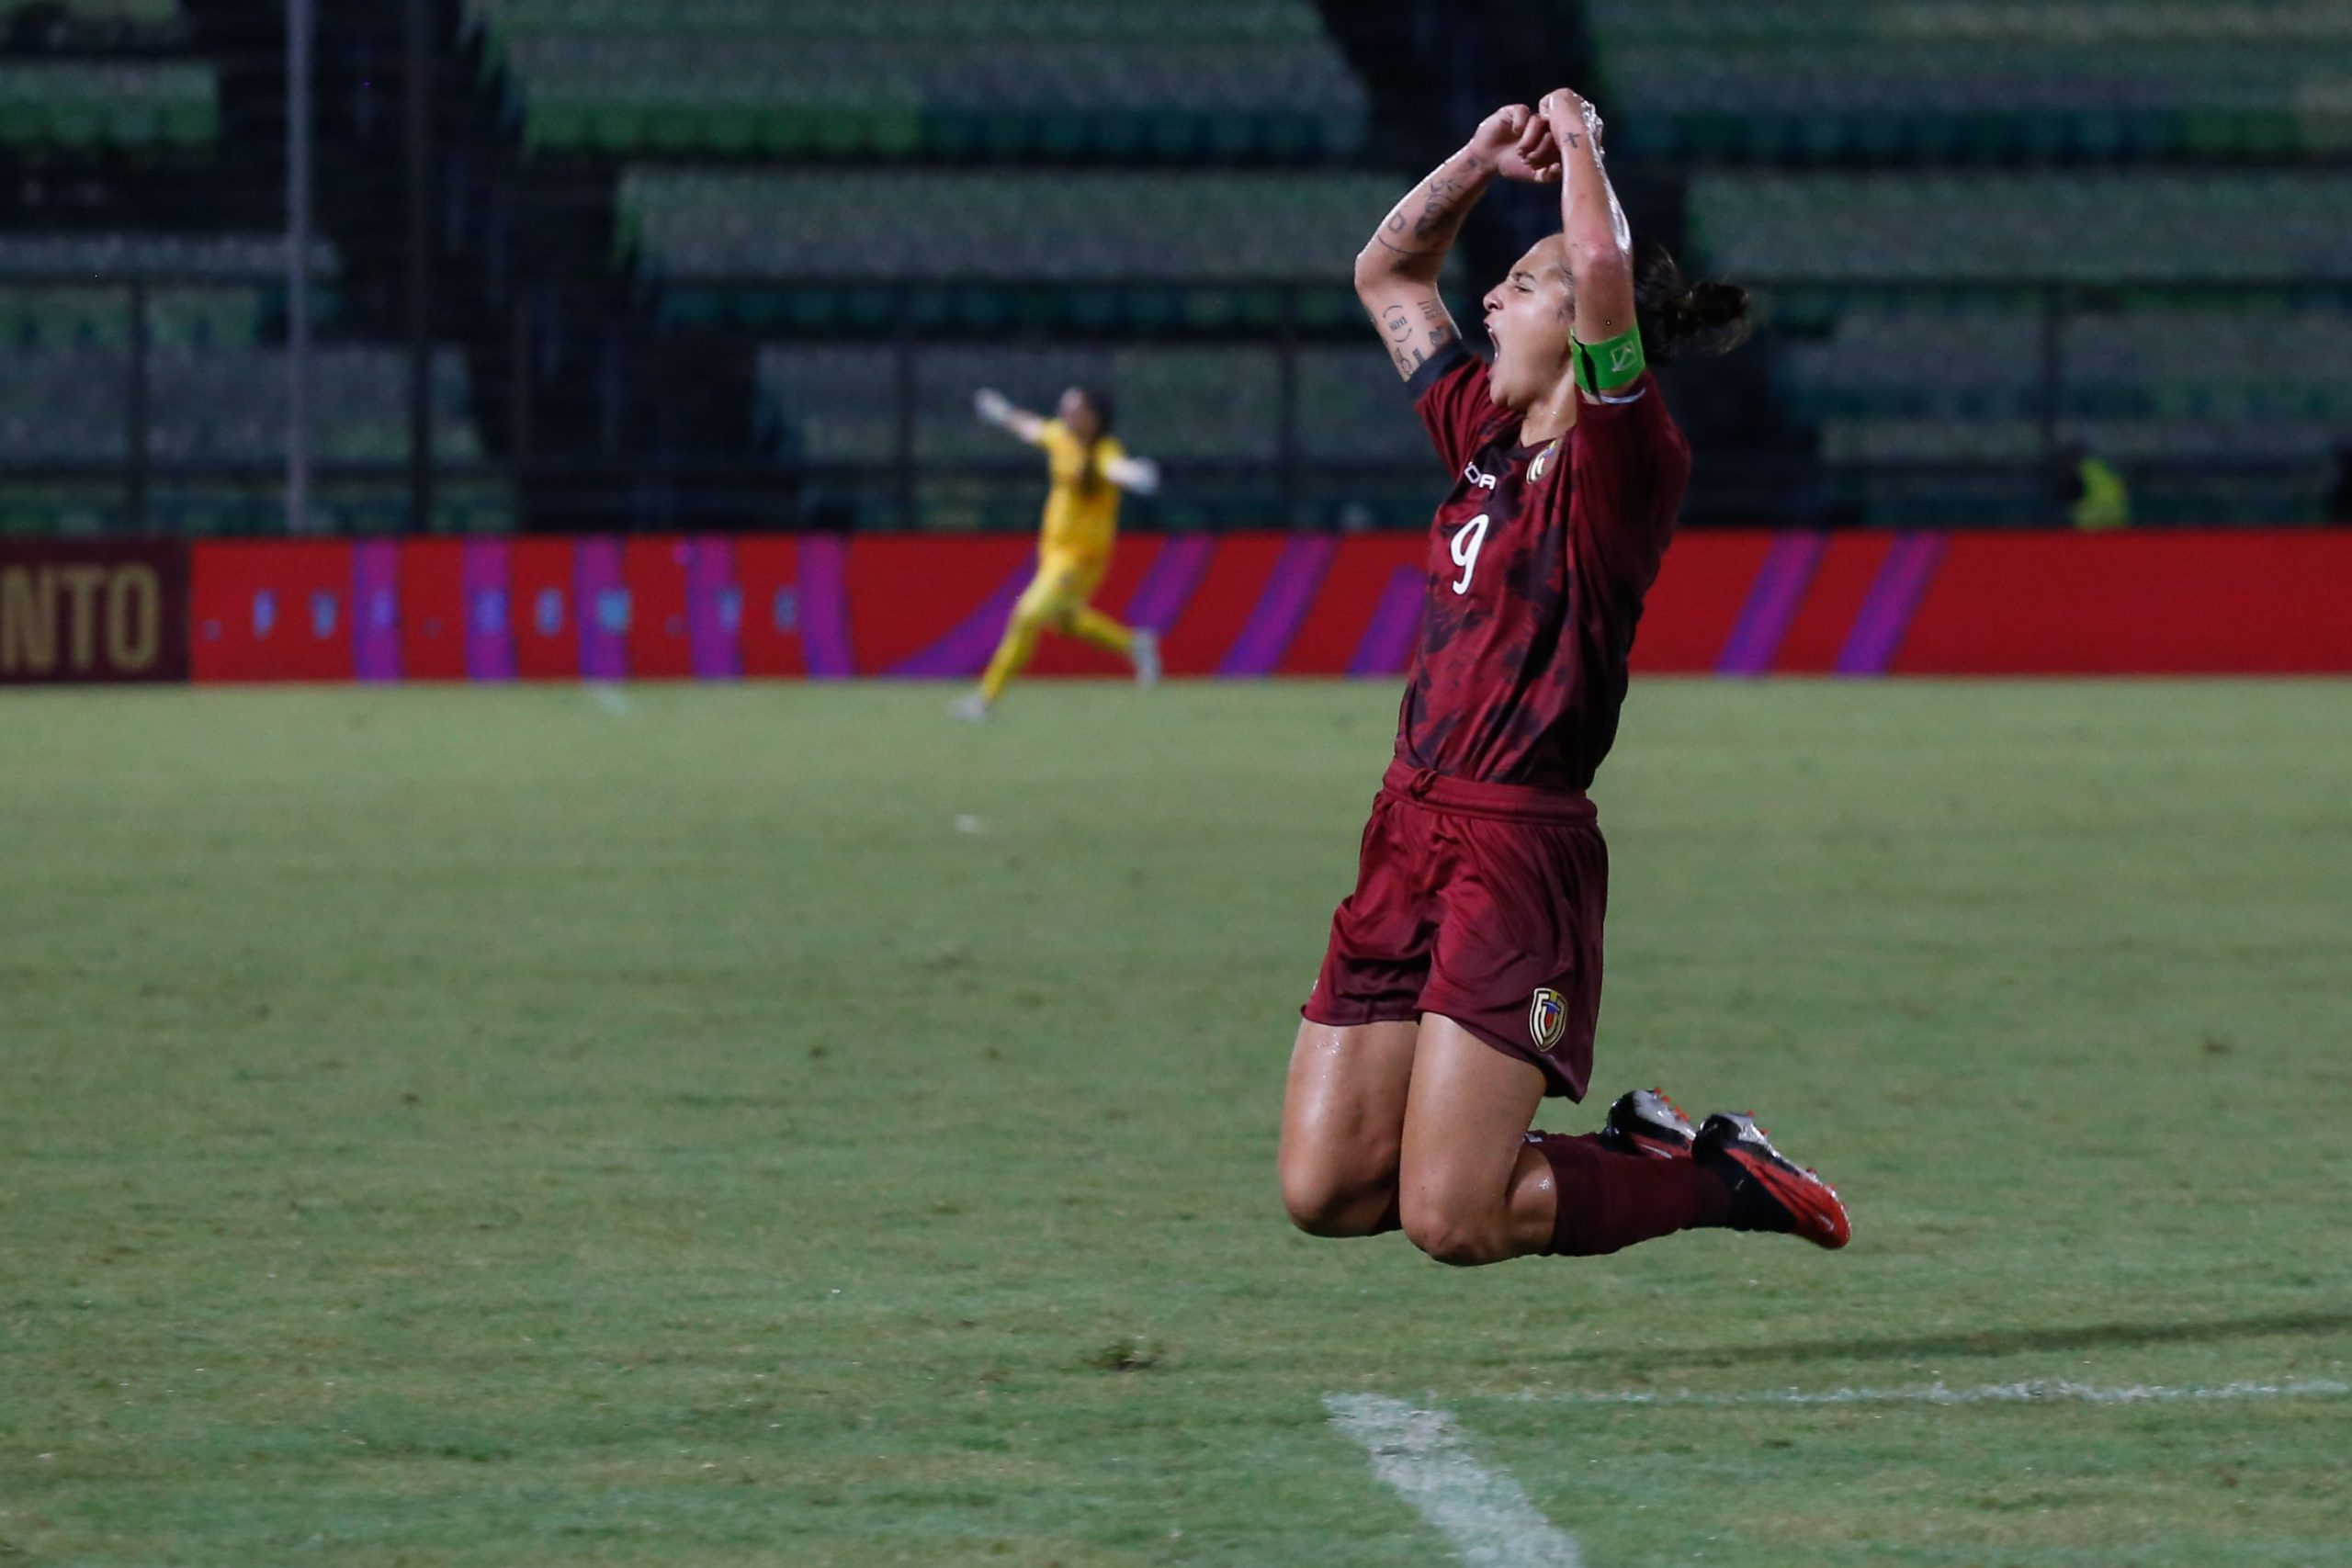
714 609
964 649
1893 597
1772 605
376 610
489 636
1289 594
601 606
824 608
1387 642
1160 599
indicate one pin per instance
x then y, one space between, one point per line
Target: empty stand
2273 227
1226 79
162 356
1214 415
835 250
1961 81
2179 324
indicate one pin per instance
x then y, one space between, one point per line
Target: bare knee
1323 1200
1458 1235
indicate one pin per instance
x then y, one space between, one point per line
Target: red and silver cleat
1646 1123
1769 1191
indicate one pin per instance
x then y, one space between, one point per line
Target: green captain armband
1605 367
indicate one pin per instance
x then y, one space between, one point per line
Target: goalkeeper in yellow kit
1089 470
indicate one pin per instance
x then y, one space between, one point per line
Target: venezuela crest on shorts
1547 1018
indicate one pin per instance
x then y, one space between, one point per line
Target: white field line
611 698
1482 1513
2032 1391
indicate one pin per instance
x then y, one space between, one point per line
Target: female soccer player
1089 468
1463 978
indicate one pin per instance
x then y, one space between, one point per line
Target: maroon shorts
1480 902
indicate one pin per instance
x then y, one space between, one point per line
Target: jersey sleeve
1632 466
1450 394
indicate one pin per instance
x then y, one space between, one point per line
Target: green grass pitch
778 1125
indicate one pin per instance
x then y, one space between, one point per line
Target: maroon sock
1608 1200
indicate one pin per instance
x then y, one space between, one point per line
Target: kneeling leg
1343 1117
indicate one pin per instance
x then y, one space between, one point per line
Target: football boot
1769 1191
1646 1123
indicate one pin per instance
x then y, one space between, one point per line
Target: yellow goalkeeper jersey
1082 512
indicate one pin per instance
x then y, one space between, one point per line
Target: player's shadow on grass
2007 1341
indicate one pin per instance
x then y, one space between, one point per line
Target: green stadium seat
222 405
131 16
2166 228
836 403
2065 79
1946 390
223 292
1080 250
222 258
1240 79
63 406
82 107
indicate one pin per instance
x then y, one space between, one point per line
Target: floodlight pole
301 26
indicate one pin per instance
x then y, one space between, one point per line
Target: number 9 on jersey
1466 545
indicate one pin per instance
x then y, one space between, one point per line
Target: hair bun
1714 304
1679 316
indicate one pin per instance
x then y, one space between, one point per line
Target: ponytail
1090 478
1678 317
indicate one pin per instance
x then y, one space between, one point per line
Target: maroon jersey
1538 562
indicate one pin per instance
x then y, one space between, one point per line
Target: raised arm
1599 243
995 408
1137 476
1397 271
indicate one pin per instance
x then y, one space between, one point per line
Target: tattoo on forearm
1441 210
1403 352
1444 196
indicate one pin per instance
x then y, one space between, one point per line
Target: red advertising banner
2250 602
273 610
92 611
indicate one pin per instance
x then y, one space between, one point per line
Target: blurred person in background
2096 498
1089 468
1461 985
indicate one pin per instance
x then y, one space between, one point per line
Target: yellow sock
1013 655
1090 624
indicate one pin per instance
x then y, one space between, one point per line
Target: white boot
1145 651
971 707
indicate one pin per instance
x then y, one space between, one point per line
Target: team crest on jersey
1543 461
1547 1018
